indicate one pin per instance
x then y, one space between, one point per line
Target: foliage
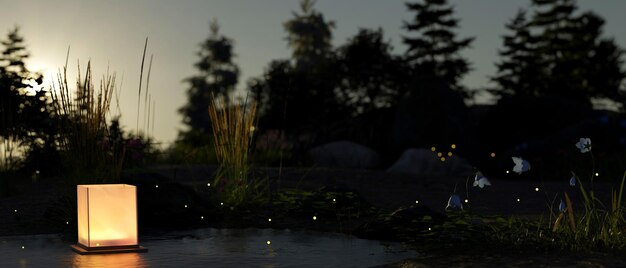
233 130
185 153
217 76
137 150
435 51
272 148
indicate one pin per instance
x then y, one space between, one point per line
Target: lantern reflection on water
107 219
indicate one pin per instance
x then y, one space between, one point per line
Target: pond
211 248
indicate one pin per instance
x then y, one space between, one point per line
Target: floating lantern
107 219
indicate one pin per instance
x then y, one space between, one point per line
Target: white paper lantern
107 219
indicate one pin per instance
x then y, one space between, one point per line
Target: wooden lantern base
82 250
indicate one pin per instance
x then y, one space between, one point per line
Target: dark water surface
211 248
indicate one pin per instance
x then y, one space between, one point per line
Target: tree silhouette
368 73
519 71
559 53
217 76
24 105
309 36
298 96
435 49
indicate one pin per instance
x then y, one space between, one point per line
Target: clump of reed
82 115
233 126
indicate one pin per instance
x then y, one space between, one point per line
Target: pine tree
556 22
217 76
519 72
435 50
560 53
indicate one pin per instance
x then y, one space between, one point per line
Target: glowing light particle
597 174
439 154
185 206
518 200
433 148
23 247
466 201
443 159
493 154
202 217
449 153
314 218
208 184
507 172
536 189
157 186
453 146
270 219
268 242
417 201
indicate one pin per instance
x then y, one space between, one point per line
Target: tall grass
598 225
233 127
82 113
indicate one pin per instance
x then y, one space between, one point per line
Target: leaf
570 212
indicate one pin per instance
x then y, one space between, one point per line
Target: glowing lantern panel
107 215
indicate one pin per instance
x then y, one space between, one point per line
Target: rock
425 162
345 154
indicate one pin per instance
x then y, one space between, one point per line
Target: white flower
521 165
572 181
480 180
454 202
584 145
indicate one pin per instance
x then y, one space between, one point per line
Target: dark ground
381 189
